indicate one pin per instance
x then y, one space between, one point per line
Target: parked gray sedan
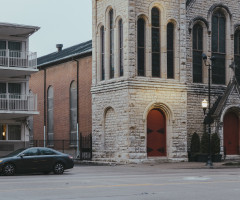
35 159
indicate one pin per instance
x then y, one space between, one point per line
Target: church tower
139 91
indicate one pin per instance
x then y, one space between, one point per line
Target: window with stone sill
50 116
102 53
155 42
237 54
218 47
121 47
141 46
170 50
111 44
197 53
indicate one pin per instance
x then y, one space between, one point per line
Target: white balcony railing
18 59
16 102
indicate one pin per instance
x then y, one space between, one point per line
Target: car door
28 162
46 159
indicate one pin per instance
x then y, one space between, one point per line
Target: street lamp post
204 105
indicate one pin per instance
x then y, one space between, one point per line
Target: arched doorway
156 134
231 133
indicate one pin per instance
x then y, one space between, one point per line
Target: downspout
77 106
45 118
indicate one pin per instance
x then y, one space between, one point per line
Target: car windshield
14 153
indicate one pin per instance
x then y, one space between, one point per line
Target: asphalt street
130 182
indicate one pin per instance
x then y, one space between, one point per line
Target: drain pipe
44 131
78 156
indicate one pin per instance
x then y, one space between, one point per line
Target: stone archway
156 134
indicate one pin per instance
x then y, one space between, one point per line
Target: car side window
31 152
47 152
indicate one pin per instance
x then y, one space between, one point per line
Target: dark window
155 43
14 132
2 88
3 47
103 52
73 112
14 90
50 116
197 53
3 131
141 46
31 152
170 54
218 47
14 48
47 152
237 55
111 45
121 47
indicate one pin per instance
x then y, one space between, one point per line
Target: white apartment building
17 104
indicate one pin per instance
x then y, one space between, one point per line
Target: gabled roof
76 50
233 83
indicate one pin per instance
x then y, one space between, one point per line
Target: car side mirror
21 155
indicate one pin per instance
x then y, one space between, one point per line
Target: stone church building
149 80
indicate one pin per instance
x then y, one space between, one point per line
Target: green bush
204 143
195 143
215 144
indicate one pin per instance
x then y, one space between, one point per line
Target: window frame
143 71
7 131
153 27
102 32
173 52
197 49
237 54
111 44
121 47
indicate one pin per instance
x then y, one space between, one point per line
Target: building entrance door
156 134
231 133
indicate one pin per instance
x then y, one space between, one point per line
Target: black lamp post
204 105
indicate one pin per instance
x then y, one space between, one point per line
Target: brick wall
60 78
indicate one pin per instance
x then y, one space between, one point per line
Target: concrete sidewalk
174 165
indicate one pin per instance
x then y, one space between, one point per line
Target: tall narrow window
3 91
170 54
197 53
155 43
3 47
73 112
121 47
111 45
102 53
141 46
237 54
218 47
50 116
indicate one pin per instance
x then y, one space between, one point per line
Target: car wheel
9 169
58 168
47 172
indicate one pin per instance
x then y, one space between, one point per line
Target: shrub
195 143
204 143
215 144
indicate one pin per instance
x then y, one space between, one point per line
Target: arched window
155 43
237 54
170 53
50 116
141 46
73 112
197 53
121 47
111 44
218 47
102 53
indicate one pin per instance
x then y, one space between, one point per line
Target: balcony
17 63
16 106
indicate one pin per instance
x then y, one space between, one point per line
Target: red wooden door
156 134
231 133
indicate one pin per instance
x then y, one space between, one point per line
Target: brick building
59 89
148 79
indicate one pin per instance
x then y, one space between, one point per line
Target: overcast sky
66 22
